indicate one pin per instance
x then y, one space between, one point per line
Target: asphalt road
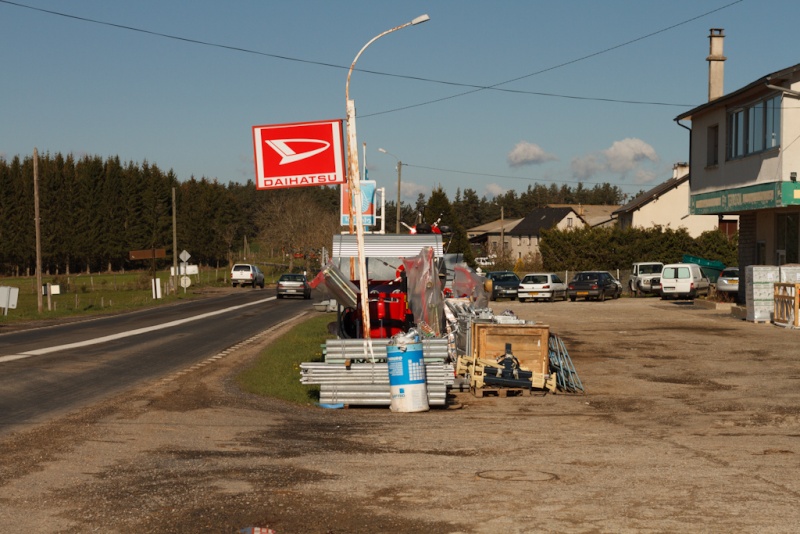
51 370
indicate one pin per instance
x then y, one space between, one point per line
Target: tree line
94 211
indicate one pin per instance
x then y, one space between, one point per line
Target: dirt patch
665 426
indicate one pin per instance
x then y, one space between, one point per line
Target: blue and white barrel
407 382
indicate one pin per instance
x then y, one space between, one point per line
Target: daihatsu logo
289 155
298 154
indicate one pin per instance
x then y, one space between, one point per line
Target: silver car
728 282
294 285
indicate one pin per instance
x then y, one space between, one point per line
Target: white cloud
411 191
624 155
525 153
587 166
622 158
643 176
494 190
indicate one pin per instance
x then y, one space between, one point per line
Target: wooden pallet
501 392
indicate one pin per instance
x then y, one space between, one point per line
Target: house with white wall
667 205
745 158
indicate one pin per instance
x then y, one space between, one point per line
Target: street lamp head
382 150
420 19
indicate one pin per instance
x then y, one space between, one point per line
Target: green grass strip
276 371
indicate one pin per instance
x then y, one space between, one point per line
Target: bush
613 248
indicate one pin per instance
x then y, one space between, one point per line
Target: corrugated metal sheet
386 246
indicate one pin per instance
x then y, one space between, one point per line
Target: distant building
487 239
525 236
595 215
667 205
520 237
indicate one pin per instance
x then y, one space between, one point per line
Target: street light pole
399 173
354 179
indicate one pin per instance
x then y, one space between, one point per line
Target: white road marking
122 335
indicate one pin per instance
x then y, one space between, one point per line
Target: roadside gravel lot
691 421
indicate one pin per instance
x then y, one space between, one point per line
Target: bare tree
297 224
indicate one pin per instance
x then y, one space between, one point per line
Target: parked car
484 261
290 284
645 278
504 284
594 285
245 274
684 280
728 282
541 286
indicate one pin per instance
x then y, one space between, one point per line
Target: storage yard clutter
458 342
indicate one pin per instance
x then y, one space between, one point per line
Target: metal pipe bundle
367 373
367 384
561 364
337 351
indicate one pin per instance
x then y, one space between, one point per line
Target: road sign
185 256
8 298
299 154
185 282
148 254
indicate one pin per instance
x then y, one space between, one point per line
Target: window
569 222
752 129
712 146
773 122
788 226
755 129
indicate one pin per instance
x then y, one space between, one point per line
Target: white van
683 280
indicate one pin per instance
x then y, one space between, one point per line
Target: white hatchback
541 286
683 280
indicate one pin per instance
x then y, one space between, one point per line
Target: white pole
354 178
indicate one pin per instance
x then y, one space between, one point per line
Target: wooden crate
528 343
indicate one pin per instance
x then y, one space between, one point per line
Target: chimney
679 170
716 63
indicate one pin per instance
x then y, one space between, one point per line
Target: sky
489 96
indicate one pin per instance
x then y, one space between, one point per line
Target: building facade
745 157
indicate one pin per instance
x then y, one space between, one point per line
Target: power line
570 62
474 88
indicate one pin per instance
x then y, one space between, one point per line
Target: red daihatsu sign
299 154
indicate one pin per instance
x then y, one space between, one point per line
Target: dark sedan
594 285
504 284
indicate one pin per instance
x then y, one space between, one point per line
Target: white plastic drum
407 382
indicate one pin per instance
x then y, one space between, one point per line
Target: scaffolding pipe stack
368 384
338 351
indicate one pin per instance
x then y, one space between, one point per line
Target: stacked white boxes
790 274
760 291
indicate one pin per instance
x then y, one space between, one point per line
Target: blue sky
73 86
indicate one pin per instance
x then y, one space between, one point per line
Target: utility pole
399 171
174 244
502 234
38 229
